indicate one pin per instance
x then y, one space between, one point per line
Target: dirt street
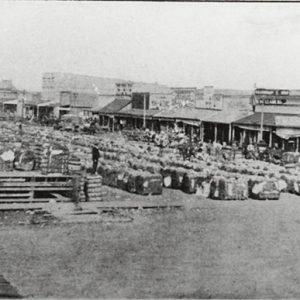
234 249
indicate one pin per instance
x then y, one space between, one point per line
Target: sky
228 45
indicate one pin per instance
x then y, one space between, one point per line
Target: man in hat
95 157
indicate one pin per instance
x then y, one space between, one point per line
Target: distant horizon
227 45
159 83
104 77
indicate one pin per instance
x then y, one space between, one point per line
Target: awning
192 123
288 126
11 102
136 113
254 128
287 133
184 114
48 103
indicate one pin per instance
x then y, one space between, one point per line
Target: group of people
192 146
204 150
261 151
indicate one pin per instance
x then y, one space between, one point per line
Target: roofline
76 74
184 88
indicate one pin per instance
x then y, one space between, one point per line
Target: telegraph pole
262 119
144 112
23 105
261 114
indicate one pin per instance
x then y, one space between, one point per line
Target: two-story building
275 118
64 89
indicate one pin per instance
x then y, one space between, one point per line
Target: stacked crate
74 165
54 163
177 177
94 190
37 149
82 189
229 188
6 166
262 188
148 184
167 177
190 182
59 163
24 160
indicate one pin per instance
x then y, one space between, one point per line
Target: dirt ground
222 249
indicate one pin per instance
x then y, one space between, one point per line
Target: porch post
216 132
243 135
241 138
270 138
202 131
297 144
229 133
233 133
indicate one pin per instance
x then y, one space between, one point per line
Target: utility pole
144 112
261 114
75 95
23 105
262 119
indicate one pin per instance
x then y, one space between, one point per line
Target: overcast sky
229 45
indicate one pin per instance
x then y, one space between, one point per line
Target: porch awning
191 123
287 133
48 103
287 126
252 127
11 102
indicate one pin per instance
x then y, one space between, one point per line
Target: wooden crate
16 187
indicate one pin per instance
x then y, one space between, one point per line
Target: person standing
250 151
95 157
234 149
217 149
20 129
209 147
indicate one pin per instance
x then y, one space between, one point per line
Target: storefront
280 129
